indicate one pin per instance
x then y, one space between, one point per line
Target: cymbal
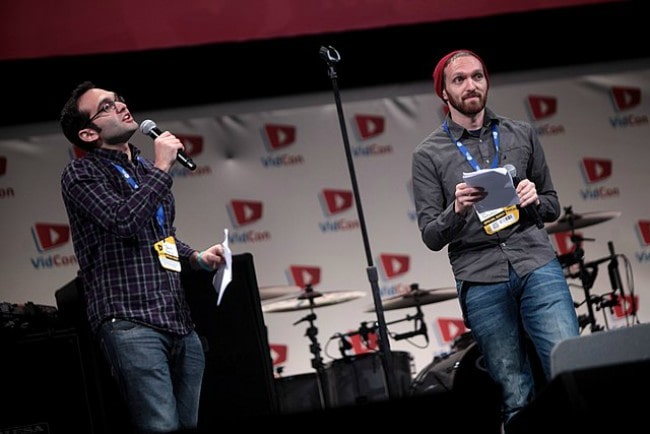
418 297
571 221
269 292
311 299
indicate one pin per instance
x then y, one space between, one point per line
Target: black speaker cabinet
45 385
238 380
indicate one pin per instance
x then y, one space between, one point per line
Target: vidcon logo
625 98
193 144
541 107
450 328
391 267
49 236
245 212
334 202
394 265
278 353
279 136
369 126
596 170
302 275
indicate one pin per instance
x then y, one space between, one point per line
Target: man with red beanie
511 287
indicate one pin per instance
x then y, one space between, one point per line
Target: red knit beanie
439 70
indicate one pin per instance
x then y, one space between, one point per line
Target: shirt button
503 244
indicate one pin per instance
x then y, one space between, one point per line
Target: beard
468 108
119 136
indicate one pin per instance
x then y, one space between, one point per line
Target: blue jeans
159 374
502 316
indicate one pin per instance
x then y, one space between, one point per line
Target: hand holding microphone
531 210
149 128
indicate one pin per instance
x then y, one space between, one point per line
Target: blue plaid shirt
114 228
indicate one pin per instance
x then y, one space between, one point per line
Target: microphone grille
512 170
147 126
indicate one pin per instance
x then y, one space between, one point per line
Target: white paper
223 276
498 185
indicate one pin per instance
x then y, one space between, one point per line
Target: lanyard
160 215
463 150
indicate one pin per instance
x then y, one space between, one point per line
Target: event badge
497 219
168 254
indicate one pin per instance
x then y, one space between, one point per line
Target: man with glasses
121 212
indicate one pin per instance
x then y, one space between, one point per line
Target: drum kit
347 380
576 267
357 378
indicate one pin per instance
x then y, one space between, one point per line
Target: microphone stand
331 57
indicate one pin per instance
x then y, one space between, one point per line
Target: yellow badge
498 219
168 254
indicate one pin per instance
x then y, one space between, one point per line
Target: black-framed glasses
106 107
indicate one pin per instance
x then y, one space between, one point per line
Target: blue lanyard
160 215
463 150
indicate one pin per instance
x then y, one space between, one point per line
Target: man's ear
88 135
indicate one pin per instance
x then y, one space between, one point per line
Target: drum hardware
364 331
314 347
587 272
420 326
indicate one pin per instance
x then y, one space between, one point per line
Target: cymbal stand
315 348
586 278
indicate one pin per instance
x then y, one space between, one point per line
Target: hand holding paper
498 185
223 276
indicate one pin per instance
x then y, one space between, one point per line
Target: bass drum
459 371
360 379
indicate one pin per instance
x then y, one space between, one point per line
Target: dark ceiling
35 90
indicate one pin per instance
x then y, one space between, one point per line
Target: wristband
203 264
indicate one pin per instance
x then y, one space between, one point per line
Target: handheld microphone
149 128
532 211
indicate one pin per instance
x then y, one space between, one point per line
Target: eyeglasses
106 107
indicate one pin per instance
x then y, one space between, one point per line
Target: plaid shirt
114 228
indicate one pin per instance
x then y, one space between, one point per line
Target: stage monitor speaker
597 384
238 380
604 348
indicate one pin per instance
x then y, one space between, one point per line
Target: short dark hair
72 119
